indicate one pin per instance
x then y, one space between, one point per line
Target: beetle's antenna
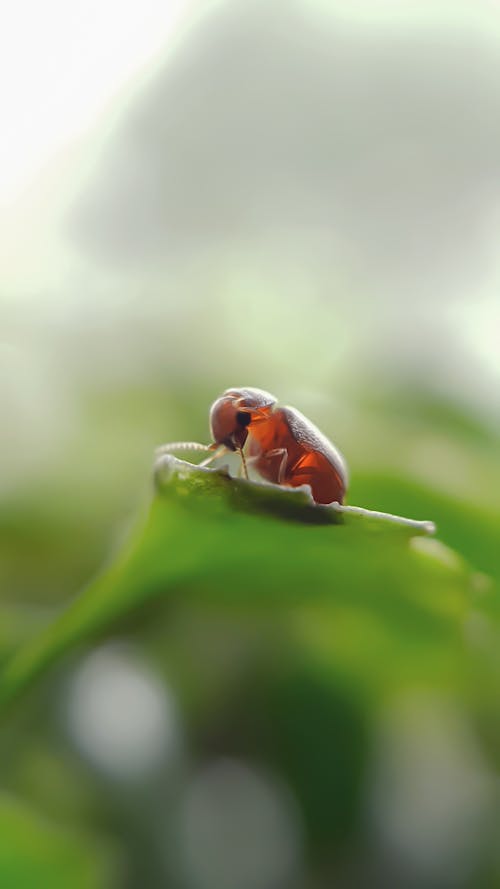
173 446
243 462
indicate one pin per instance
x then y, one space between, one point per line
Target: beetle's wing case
310 457
309 436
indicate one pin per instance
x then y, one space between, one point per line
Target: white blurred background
299 195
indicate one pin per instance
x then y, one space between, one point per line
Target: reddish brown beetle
280 443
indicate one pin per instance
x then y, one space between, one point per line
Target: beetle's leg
302 469
250 461
282 453
243 463
218 452
325 483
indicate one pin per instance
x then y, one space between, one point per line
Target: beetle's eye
243 418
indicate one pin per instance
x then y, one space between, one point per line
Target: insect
279 442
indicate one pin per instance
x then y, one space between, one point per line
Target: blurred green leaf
471 529
212 541
37 854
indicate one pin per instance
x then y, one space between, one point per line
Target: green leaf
212 541
37 854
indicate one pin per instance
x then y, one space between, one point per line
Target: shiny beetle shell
282 444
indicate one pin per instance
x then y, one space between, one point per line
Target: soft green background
306 650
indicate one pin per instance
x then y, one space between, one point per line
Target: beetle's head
234 411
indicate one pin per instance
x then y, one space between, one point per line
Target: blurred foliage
203 529
285 641
35 854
